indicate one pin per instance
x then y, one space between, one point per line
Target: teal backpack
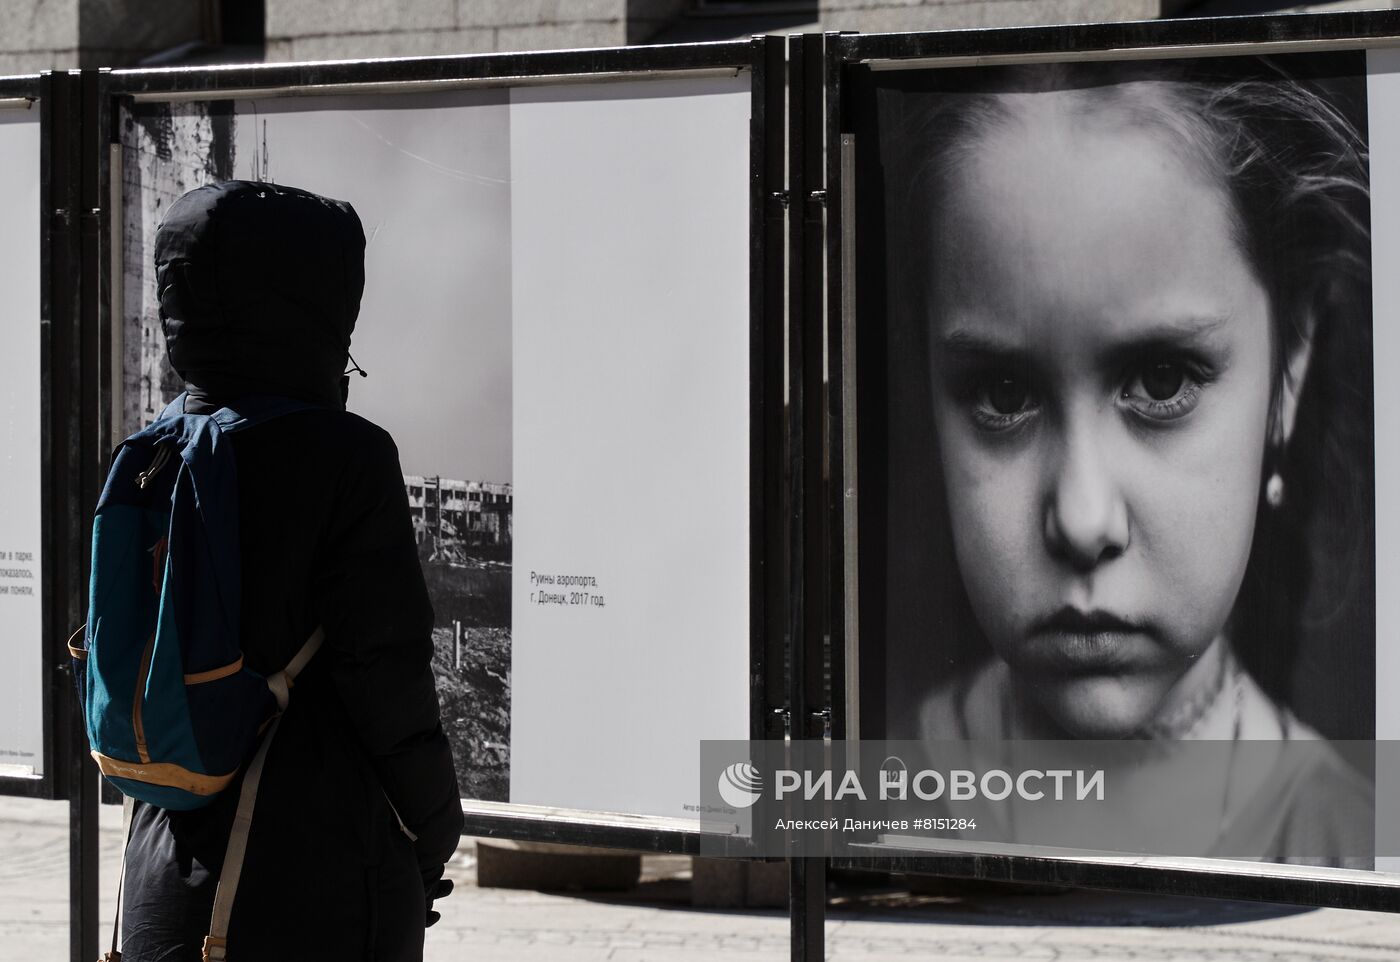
172 711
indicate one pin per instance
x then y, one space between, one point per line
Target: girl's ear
1297 358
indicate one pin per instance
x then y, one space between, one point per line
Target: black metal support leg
83 893
807 904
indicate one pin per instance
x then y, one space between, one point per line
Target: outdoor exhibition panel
37 369
1104 410
573 306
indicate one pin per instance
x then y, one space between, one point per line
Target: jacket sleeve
379 620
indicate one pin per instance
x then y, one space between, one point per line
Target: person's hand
440 889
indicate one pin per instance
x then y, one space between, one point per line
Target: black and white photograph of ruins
430 180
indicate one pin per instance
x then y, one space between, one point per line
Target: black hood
259 288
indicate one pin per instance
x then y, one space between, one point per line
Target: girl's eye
1007 395
1162 380
1000 400
1163 390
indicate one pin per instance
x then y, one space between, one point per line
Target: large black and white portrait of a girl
1115 413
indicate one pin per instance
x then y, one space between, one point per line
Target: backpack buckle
158 462
281 686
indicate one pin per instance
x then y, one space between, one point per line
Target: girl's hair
1285 139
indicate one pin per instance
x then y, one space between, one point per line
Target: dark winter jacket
259 288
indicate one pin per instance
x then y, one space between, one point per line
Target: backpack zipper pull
162 456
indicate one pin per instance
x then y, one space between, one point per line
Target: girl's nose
1086 517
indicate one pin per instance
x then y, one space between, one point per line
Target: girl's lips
1078 653
1071 619
1077 642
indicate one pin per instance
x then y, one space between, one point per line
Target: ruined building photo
455 519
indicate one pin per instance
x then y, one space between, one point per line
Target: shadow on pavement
875 898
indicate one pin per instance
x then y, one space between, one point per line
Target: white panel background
1383 104
21 620
630 301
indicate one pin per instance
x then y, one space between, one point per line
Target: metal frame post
806 667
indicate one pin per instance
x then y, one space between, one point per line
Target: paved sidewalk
655 923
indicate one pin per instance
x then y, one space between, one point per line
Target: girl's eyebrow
1186 333
1189 330
977 345
1182 328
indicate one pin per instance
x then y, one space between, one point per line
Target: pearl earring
1273 490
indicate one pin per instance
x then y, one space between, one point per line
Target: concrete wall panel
291 19
519 13
646 18
410 43
878 16
38 25
32 61
594 33
140 28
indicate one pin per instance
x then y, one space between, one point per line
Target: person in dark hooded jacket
259 288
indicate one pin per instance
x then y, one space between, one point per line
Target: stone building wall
63 34
882 16
329 29
335 29
39 34
338 29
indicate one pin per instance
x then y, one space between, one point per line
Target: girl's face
1101 354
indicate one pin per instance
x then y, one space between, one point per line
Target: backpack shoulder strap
246 412
281 682
216 942
253 410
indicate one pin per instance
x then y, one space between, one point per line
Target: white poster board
1383 103
630 293
556 324
21 596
